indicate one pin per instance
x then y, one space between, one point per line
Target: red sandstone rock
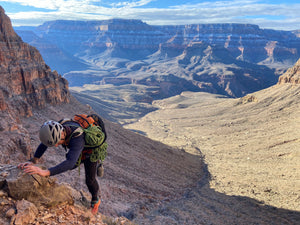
26 83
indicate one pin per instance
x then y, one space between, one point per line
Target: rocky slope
26 83
251 144
140 173
30 199
292 75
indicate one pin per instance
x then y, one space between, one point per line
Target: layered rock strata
227 59
137 39
26 83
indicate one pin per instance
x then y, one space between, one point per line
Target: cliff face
24 75
245 41
78 37
26 83
292 75
125 52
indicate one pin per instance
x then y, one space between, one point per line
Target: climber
54 134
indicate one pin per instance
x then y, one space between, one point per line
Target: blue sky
271 14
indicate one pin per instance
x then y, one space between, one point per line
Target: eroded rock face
26 83
292 75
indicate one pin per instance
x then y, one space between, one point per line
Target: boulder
26 213
34 188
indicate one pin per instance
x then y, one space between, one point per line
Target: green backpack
95 140
95 136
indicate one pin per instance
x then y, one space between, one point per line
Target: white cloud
217 4
237 11
44 4
62 4
131 4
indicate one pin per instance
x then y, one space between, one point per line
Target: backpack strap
75 133
62 121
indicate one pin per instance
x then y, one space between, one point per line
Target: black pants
90 178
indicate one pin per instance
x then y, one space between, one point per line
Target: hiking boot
100 170
95 205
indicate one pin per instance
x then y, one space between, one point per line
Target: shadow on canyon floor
203 205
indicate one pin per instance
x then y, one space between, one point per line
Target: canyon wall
228 59
26 83
245 41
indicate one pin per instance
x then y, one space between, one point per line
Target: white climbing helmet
50 133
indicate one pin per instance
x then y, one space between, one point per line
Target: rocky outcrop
292 75
26 213
28 192
31 199
26 83
36 189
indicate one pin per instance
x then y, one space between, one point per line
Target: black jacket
75 147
